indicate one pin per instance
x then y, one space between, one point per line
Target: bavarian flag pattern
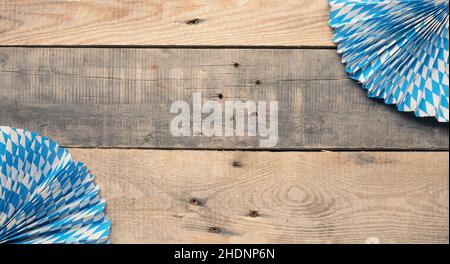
398 50
45 196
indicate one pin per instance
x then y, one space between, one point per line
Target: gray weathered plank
108 97
174 196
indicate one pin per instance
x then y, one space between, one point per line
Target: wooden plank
162 22
121 98
157 196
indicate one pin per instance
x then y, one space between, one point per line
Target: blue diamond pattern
45 196
398 50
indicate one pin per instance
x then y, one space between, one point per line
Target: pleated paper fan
398 50
45 196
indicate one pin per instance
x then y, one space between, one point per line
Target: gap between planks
169 47
266 150
156 196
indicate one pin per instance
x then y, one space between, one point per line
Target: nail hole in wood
195 201
194 21
214 230
253 213
236 65
236 164
220 96
258 82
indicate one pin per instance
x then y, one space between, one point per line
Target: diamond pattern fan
398 50
45 196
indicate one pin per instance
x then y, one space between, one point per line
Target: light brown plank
122 97
309 197
162 22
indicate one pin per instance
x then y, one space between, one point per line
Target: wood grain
157 196
162 22
121 98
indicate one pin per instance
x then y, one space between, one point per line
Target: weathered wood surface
121 98
159 196
162 22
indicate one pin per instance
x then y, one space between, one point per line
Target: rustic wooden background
99 76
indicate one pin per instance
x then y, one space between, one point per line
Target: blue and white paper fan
45 196
398 50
